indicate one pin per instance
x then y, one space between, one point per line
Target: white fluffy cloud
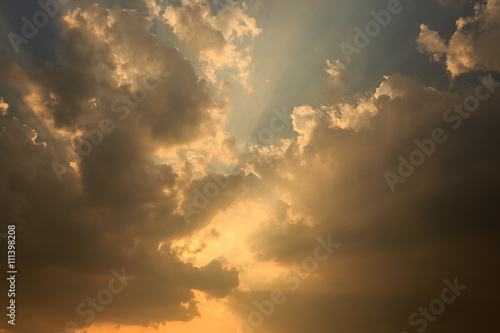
219 38
3 107
473 46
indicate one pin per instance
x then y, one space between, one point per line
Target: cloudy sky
228 166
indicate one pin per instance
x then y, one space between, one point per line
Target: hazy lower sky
234 166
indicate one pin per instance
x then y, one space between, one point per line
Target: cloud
3 107
120 203
337 76
473 45
217 40
332 178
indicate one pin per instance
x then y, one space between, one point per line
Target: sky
241 166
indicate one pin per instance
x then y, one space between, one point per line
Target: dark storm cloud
114 211
120 209
397 248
